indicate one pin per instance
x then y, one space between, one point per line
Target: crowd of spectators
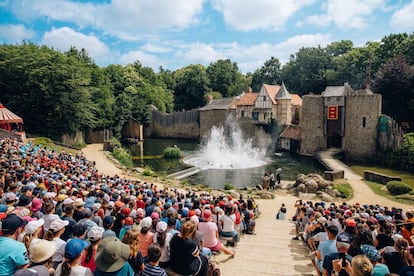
60 216
356 239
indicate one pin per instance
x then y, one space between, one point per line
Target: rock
325 197
301 188
259 187
266 196
234 194
311 185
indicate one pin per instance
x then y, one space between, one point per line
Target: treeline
58 93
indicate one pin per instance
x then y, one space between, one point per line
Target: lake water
291 164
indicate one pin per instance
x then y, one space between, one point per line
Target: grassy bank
406 177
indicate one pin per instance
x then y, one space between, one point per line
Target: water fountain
227 151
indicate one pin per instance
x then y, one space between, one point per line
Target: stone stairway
271 251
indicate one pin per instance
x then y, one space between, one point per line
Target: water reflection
291 164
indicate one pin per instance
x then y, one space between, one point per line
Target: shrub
42 141
228 186
171 153
123 156
147 170
344 188
398 188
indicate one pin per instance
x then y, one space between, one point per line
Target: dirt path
271 251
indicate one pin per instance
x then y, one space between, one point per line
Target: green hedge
171 153
398 188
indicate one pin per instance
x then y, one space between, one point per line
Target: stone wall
70 140
312 138
361 124
379 177
98 136
210 118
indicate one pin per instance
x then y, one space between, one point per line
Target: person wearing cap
13 254
108 223
128 224
94 237
57 227
373 255
162 238
146 237
23 206
135 257
71 266
49 216
31 233
210 233
332 262
78 212
10 199
40 255
68 216
36 208
112 258
185 257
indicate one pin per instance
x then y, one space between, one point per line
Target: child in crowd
152 268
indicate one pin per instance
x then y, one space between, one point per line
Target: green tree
269 73
223 76
191 83
395 82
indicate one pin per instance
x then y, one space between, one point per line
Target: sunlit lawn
406 177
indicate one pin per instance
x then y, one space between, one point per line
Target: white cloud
145 59
247 15
63 38
197 52
126 19
402 19
15 33
349 14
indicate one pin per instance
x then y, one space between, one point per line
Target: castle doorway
335 140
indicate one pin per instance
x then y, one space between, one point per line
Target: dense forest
59 93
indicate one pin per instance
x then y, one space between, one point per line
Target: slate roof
218 104
283 94
334 91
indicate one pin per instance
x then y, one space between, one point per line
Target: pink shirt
144 242
208 229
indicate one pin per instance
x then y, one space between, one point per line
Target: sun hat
206 215
146 222
10 196
371 252
95 233
322 220
58 224
11 223
155 215
111 255
79 202
36 204
41 250
74 248
33 225
67 201
161 226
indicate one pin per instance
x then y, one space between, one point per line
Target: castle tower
283 106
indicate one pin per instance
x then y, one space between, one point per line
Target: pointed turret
283 94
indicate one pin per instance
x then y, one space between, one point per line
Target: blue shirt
12 255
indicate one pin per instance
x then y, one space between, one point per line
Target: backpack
212 270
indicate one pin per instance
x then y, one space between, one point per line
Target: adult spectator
184 253
74 250
53 234
373 255
112 258
146 237
342 244
94 237
211 235
360 266
68 216
363 237
397 256
162 238
40 259
23 206
13 254
32 232
325 248
228 224
408 269
384 237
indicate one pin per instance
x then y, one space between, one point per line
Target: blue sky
176 33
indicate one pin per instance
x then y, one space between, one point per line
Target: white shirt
228 222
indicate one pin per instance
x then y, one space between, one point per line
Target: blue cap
74 248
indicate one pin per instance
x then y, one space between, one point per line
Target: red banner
333 112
